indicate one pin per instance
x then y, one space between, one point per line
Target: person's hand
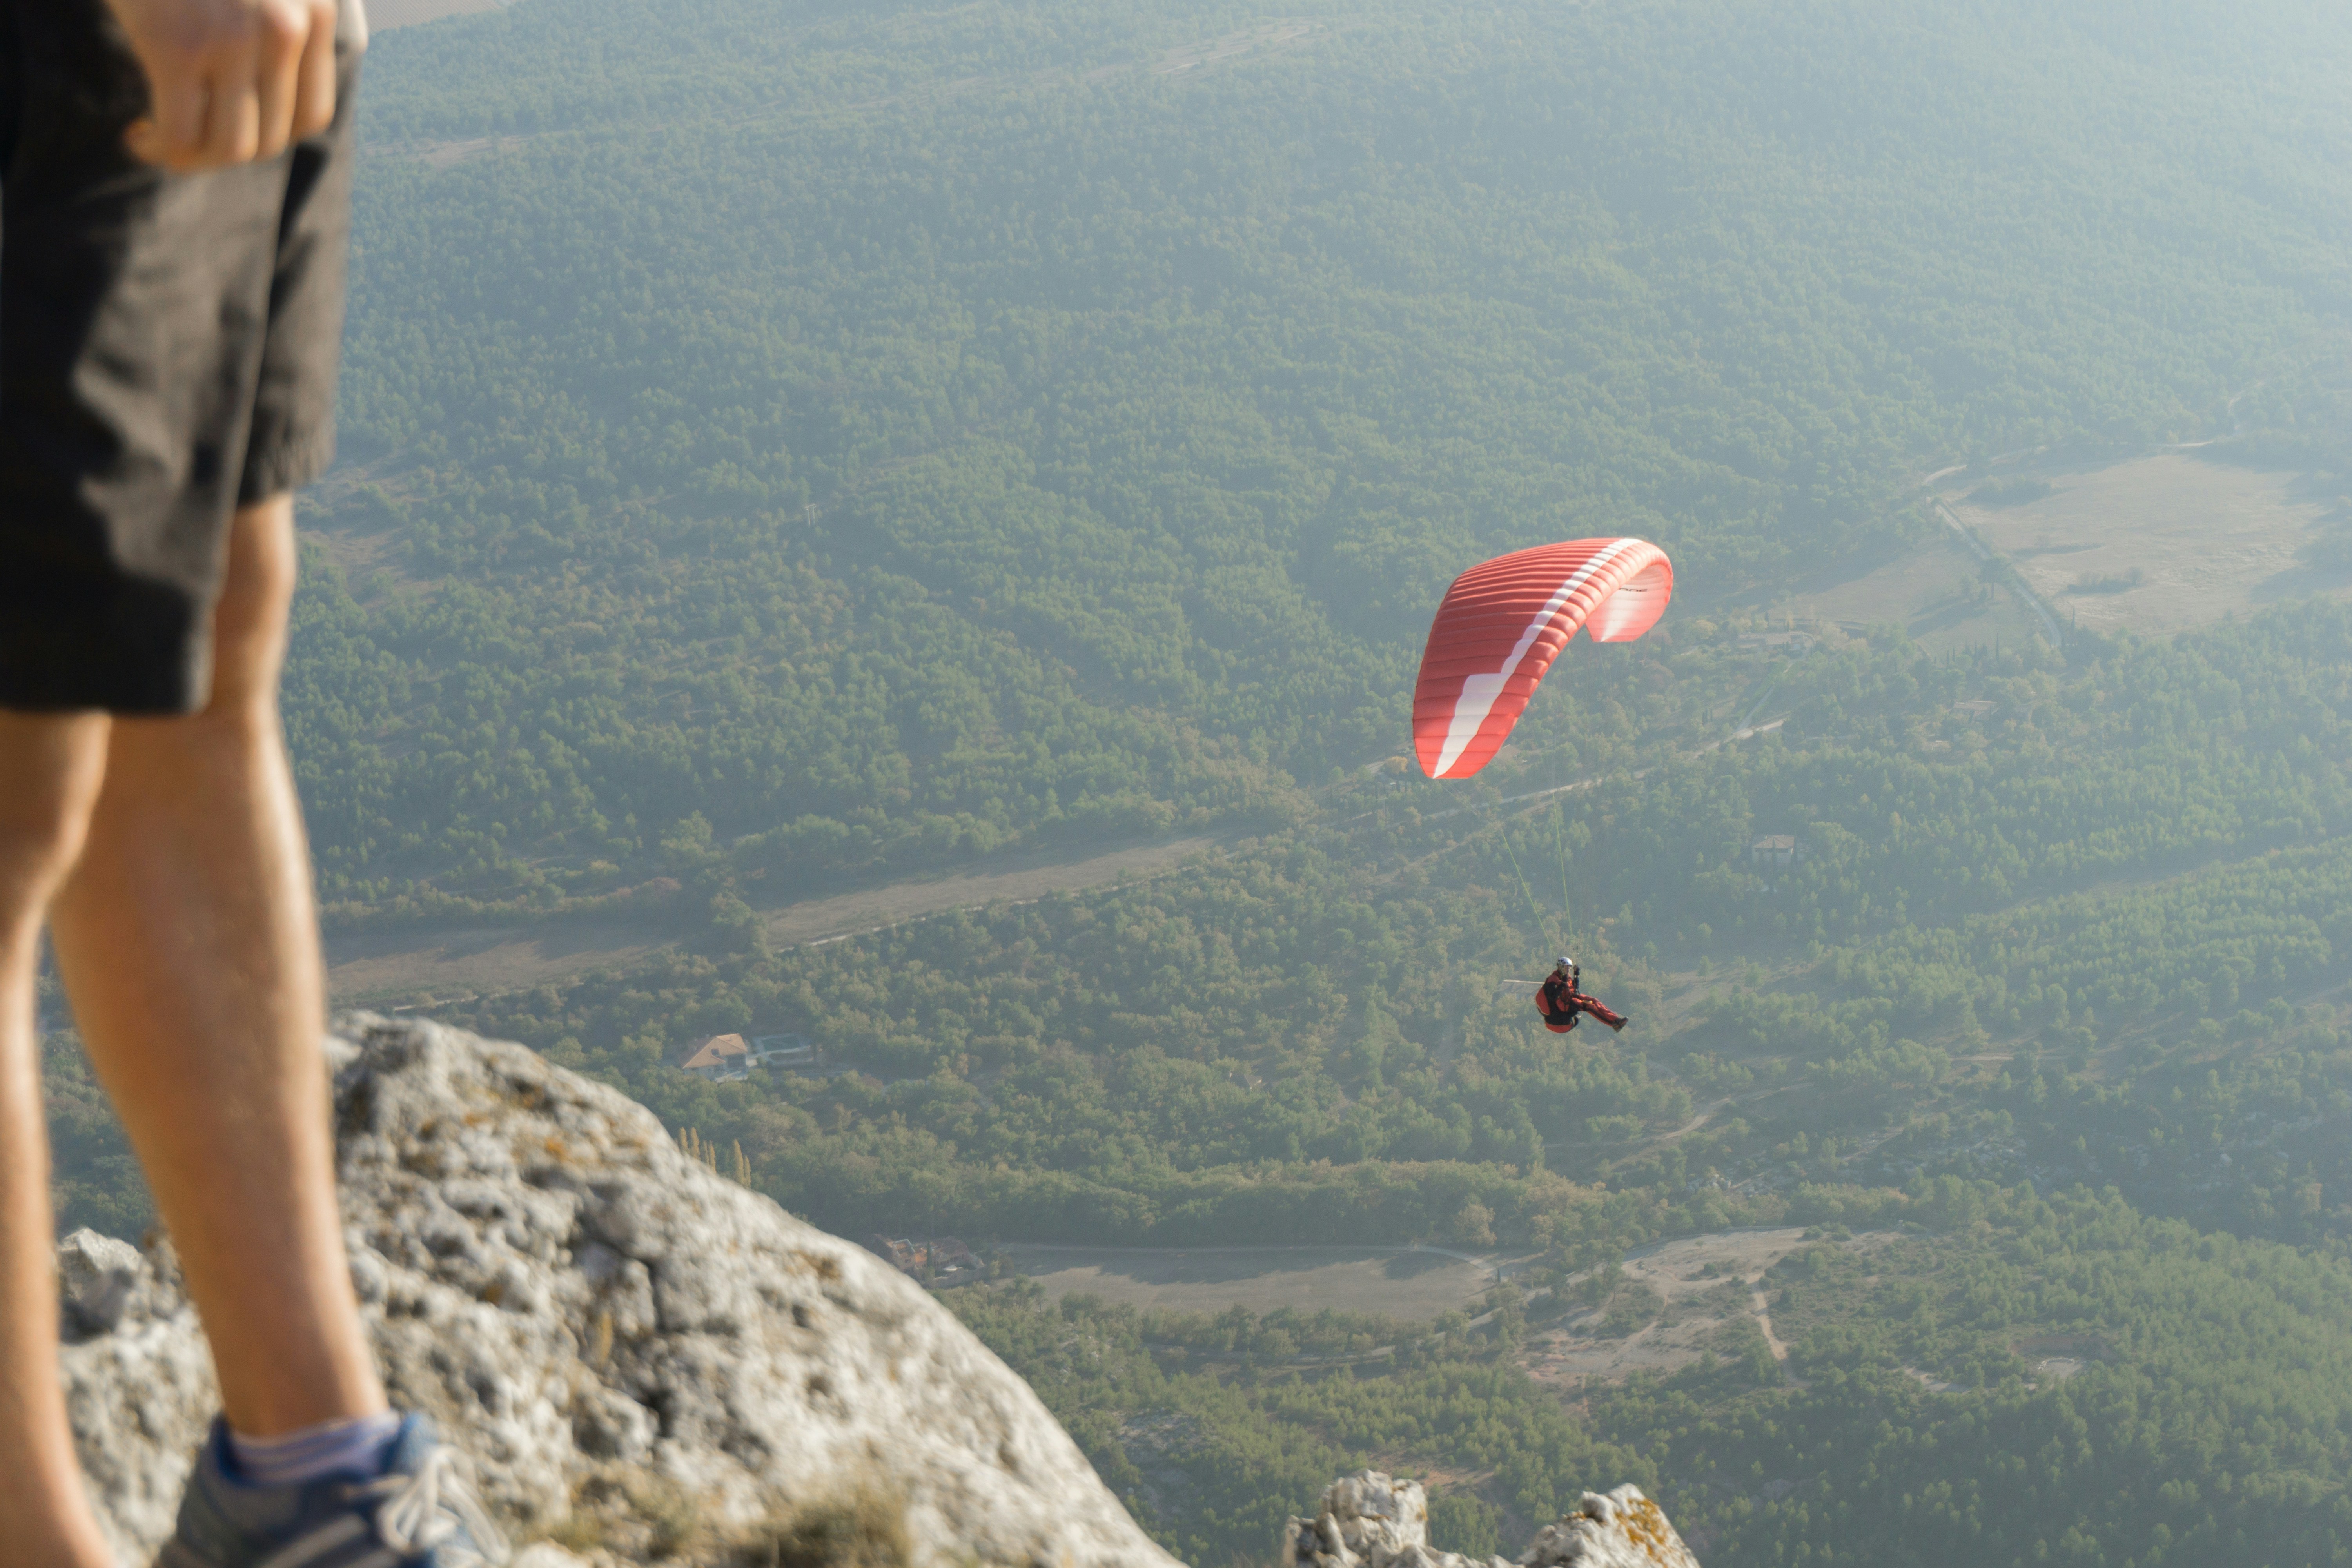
229 80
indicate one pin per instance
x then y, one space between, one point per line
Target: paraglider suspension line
1533 908
1560 843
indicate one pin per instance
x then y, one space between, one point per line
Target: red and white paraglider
1504 621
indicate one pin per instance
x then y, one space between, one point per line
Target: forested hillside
785 442
895 435
2057 997
1311 1036
2208 1425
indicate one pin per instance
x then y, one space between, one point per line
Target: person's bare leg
188 942
49 771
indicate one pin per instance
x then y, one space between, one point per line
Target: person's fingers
244 87
173 134
281 38
232 122
314 95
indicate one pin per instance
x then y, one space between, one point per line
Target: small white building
1776 849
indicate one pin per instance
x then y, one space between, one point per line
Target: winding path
1764 1319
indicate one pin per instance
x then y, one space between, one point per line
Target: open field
418 966
1930 589
1704 1282
1016 877
2157 544
1402 1282
1701 1283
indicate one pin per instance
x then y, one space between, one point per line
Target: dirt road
1408 1282
2020 587
1014 879
1764 1319
416 967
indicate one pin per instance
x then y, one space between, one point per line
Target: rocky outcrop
1619 1528
1370 1521
646 1359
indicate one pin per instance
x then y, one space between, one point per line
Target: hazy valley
913 527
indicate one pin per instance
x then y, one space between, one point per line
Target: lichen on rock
642 1358
1618 1528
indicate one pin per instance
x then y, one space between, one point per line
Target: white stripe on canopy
1478 692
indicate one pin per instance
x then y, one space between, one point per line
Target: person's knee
256 592
51 766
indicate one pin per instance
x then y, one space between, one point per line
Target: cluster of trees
891 438
95 1180
2250 1140
1214 1443
2158 756
1176 1063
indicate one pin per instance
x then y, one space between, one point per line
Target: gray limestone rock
642 1358
96 1277
1619 1529
1374 1521
1371 1520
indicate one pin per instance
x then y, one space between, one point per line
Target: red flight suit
1559 1002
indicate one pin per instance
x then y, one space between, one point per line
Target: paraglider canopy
1501 623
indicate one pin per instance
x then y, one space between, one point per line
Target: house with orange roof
719 1056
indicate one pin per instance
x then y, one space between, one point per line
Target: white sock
351 1447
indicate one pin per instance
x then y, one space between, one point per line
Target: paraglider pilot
1560 1001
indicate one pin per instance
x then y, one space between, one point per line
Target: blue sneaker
420 1512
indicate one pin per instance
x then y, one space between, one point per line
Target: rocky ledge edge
649 1362
645 1360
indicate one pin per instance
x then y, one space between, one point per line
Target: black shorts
168 347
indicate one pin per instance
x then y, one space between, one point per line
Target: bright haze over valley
913 527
